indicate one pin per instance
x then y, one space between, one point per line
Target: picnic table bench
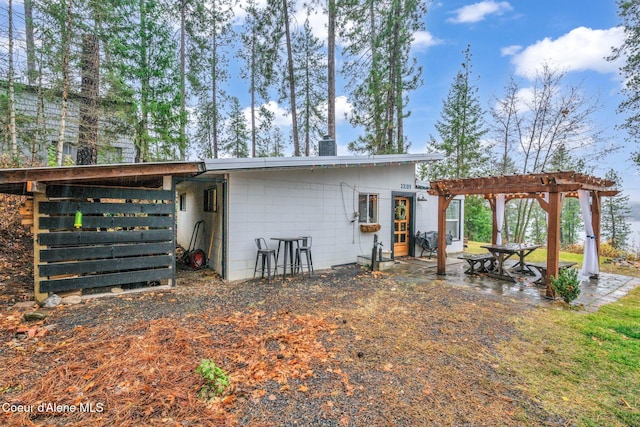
479 263
541 267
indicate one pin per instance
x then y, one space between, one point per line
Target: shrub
567 284
216 379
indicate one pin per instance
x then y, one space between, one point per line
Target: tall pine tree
460 129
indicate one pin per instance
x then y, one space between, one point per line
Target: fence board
105 265
67 207
81 192
105 251
67 222
104 280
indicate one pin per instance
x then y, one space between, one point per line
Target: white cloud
423 40
479 11
579 50
281 116
510 50
343 108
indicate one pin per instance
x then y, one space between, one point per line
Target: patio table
288 250
504 252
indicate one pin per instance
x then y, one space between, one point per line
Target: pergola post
494 227
443 204
553 239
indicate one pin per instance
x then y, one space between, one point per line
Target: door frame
412 220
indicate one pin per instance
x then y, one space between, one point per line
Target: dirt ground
345 347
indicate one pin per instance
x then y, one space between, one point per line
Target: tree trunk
331 70
12 97
90 86
32 74
292 86
183 86
65 85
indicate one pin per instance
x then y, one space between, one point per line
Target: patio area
593 293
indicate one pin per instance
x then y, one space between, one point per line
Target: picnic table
503 252
479 263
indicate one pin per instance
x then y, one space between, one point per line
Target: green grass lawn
584 367
540 255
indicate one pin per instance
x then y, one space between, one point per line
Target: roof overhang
321 162
150 175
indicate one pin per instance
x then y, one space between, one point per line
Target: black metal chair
304 247
266 254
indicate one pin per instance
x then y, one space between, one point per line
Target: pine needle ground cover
346 347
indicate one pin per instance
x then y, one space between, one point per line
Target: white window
183 202
211 200
368 208
453 219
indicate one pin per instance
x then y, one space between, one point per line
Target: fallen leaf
303 388
272 397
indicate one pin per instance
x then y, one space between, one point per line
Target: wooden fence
126 236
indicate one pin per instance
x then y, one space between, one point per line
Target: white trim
325 162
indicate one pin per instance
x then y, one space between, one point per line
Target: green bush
567 284
216 379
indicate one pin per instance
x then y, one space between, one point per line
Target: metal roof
16 180
320 162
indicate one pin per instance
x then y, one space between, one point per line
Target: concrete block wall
318 203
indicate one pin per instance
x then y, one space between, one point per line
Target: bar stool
304 246
266 254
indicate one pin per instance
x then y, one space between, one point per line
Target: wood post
38 296
494 217
443 203
553 239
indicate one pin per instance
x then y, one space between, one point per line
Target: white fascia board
255 163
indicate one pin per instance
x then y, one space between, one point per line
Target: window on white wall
211 200
368 208
453 218
182 202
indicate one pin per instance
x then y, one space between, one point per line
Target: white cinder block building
340 201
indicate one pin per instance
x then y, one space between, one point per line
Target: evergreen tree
311 76
615 227
629 13
259 57
380 69
477 219
270 141
209 30
460 129
147 54
237 136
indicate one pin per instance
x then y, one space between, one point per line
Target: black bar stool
304 247
266 254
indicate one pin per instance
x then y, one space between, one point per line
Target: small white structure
340 201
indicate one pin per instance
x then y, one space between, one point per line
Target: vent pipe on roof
327 146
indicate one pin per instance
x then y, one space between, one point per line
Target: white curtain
590 265
499 216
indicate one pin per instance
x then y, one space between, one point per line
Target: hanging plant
401 212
